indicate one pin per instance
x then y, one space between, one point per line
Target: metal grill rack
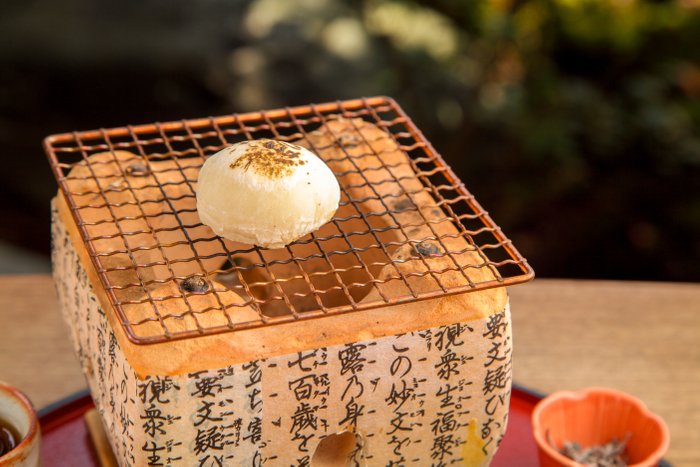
132 194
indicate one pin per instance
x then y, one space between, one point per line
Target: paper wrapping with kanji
432 397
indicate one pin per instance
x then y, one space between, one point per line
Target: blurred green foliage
575 122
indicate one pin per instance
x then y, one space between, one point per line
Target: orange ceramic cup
595 416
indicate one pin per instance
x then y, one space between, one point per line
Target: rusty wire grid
407 229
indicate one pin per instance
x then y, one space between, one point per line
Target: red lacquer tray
66 442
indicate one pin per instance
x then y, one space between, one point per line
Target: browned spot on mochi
270 158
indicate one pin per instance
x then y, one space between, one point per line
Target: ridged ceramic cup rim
32 431
540 436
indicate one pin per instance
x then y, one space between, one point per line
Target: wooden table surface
640 337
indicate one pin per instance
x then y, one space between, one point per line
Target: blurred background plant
574 122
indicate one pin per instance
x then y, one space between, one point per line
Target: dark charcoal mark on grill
427 248
194 284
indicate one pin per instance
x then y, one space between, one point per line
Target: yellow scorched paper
431 397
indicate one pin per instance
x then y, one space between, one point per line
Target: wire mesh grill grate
406 229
